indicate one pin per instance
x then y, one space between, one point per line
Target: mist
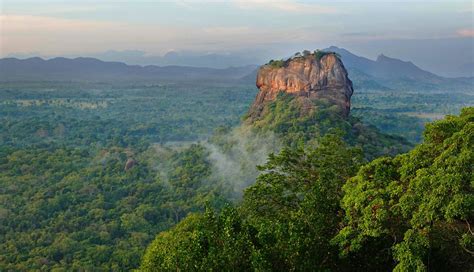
235 166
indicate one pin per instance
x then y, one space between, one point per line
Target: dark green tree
203 242
294 204
422 202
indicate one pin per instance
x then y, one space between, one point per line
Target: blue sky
257 28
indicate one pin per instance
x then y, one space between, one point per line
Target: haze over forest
242 135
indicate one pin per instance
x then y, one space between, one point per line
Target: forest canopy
91 173
313 208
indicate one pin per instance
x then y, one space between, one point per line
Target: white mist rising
235 164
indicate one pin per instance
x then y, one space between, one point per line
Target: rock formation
310 77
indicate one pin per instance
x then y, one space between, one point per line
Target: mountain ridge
394 73
384 73
92 69
383 66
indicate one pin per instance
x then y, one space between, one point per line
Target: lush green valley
91 173
236 135
314 209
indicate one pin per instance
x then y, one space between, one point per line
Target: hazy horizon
236 33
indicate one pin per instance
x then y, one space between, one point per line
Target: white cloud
58 36
50 35
286 6
27 24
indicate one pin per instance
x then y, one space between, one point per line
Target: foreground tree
203 242
285 223
422 201
294 204
412 212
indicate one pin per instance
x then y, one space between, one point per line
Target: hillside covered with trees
116 177
319 207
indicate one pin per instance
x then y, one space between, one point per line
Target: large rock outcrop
316 76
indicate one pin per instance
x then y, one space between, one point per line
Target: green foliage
319 54
416 208
294 204
284 224
67 202
297 120
73 209
404 112
277 63
203 242
422 200
392 123
103 115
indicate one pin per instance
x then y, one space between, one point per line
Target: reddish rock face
323 79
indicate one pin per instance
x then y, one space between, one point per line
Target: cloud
227 30
59 36
468 8
23 33
48 10
18 24
286 6
465 32
359 34
235 166
51 35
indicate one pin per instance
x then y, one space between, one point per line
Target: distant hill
94 70
392 73
384 73
384 67
469 80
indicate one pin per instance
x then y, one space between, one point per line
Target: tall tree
423 201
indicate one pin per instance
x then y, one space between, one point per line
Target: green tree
203 242
294 204
422 202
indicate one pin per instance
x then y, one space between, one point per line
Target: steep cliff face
317 76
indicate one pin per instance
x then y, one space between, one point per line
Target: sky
239 32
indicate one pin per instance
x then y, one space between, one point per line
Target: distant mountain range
384 67
94 70
381 74
393 73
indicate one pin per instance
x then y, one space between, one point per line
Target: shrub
277 63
